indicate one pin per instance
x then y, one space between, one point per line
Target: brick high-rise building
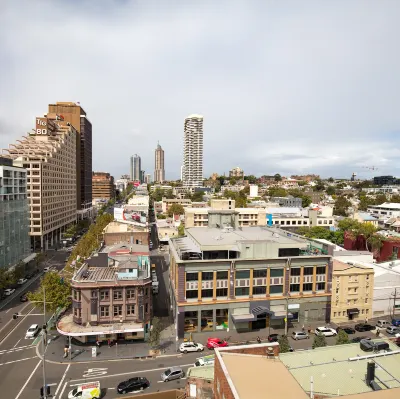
159 171
103 186
75 114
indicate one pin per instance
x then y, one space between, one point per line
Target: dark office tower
75 114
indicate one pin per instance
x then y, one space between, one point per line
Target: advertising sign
119 214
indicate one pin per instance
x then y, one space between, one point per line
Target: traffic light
15 316
42 391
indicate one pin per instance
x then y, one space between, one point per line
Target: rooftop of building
123 227
391 205
205 372
339 266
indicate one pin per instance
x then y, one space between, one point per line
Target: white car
32 331
9 291
327 331
48 269
186 347
22 281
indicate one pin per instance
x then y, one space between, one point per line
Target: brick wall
204 388
117 238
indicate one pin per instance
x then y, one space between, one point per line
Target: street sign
94 351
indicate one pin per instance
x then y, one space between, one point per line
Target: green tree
320 186
331 180
395 198
375 241
251 179
169 194
277 177
198 196
380 199
284 345
277 192
349 224
319 341
342 205
176 209
158 194
161 216
58 292
181 230
330 190
342 338
155 332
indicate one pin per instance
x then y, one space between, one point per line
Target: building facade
236 172
49 156
246 279
14 214
352 292
137 168
288 201
192 172
76 116
103 186
386 180
159 171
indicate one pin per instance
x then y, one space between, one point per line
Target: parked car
392 330
383 323
133 384
173 373
346 329
47 269
9 291
364 327
29 275
396 322
22 281
358 339
327 331
32 331
190 347
296 335
273 337
216 343
23 298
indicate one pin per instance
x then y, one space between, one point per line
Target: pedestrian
302 328
377 332
259 340
309 329
98 343
109 343
366 320
66 349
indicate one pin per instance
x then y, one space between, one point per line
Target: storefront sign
294 306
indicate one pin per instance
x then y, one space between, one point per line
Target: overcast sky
285 86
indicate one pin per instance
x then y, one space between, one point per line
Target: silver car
173 373
392 330
299 335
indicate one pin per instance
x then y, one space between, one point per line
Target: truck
204 361
154 286
90 390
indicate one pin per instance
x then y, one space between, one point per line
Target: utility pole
394 303
289 262
44 342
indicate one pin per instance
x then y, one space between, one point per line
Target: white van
383 323
205 361
90 390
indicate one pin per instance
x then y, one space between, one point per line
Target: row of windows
105 294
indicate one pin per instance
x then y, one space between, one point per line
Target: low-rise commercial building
288 201
103 186
119 232
244 279
168 202
384 211
236 172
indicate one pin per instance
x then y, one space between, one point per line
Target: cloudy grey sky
284 86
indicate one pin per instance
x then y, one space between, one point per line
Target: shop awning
260 310
242 318
353 311
281 314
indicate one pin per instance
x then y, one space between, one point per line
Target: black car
347 330
133 384
364 327
23 298
358 339
273 338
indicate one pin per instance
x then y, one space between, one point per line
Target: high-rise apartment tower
137 168
159 171
192 174
131 169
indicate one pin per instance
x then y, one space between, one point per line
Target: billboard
119 214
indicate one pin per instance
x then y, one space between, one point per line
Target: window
192 276
294 287
362 311
259 273
242 291
276 289
334 314
366 311
117 295
366 300
242 274
77 295
130 294
104 295
337 290
222 275
276 272
117 310
284 252
191 294
147 291
295 271
308 271
320 286
307 287
259 290
93 294
207 293
146 308
130 310
207 276
77 312
321 270
222 292
104 311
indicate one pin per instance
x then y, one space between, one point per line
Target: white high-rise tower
192 174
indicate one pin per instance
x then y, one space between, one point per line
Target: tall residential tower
137 168
159 171
192 175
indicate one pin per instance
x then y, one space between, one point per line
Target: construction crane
353 176
370 167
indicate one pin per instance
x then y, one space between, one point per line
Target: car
364 327
396 322
296 335
29 276
32 331
273 337
383 323
346 329
9 291
327 331
173 373
186 347
47 269
216 343
22 281
133 385
358 339
392 330
23 298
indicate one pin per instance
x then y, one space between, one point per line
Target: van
205 361
383 323
90 390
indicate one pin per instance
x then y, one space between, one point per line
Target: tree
198 196
277 192
342 204
305 199
331 180
395 198
251 179
349 224
58 293
319 186
277 177
181 230
169 194
342 338
176 209
319 341
376 242
155 332
284 345
330 190
158 194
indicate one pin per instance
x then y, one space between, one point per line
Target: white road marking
23 317
62 380
94 372
8 310
17 343
52 384
19 360
131 372
27 381
15 349
61 394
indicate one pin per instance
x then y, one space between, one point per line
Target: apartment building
49 156
15 243
74 114
159 171
111 296
168 202
125 233
103 186
243 279
236 172
288 201
384 211
352 291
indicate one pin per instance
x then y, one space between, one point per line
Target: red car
216 343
